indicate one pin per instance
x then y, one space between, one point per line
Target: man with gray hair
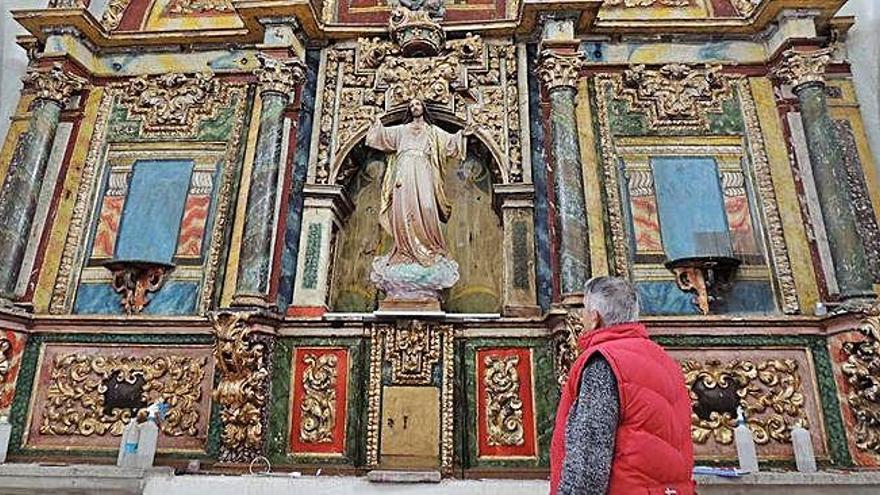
624 420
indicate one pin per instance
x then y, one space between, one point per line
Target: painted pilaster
805 72
278 81
558 68
21 187
325 207
517 214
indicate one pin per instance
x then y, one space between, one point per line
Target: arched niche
473 233
490 232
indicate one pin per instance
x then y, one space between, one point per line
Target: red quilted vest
653 452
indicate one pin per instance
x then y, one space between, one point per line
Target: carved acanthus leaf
112 15
319 398
241 392
862 373
559 70
55 84
280 76
798 68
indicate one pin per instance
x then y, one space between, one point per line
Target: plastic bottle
745 444
803 449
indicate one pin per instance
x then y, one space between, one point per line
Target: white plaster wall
864 53
13 60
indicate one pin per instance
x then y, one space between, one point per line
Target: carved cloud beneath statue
413 205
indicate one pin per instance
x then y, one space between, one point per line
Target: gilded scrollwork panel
505 409
318 411
86 394
774 388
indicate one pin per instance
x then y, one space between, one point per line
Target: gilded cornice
54 84
799 68
279 76
558 70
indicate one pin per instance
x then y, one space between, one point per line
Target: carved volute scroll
242 362
862 372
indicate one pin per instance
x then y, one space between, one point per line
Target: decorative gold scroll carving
5 358
374 396
319 398
187 7
798 68
746 7
862 373
504 414
174 104
648 3
559 70
241 391
768 391
54 84
565 343
469 78
112 15
413 349
67 4
280 76
676 96
447 413
75 399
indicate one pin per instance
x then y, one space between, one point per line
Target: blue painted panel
748 296
174 298
690 204
664 298
96 299
153 210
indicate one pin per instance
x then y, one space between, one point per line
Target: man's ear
597 320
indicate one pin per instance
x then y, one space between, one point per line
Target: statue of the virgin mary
414 204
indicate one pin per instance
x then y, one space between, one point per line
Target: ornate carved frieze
190 7
676 96
319 398
279 76
413 349
55 83
504 408
746 7
242 362
174 104
68 4
862 373
97 394
798 68
468 78
559 70
769 392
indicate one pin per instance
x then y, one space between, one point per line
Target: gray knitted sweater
590 431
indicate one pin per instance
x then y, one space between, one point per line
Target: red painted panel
108 227
320 379
192 227
505 362
740 221
647 224
373 12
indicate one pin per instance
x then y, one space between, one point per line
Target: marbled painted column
805 72
21 187
278 80
518 214
558 71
